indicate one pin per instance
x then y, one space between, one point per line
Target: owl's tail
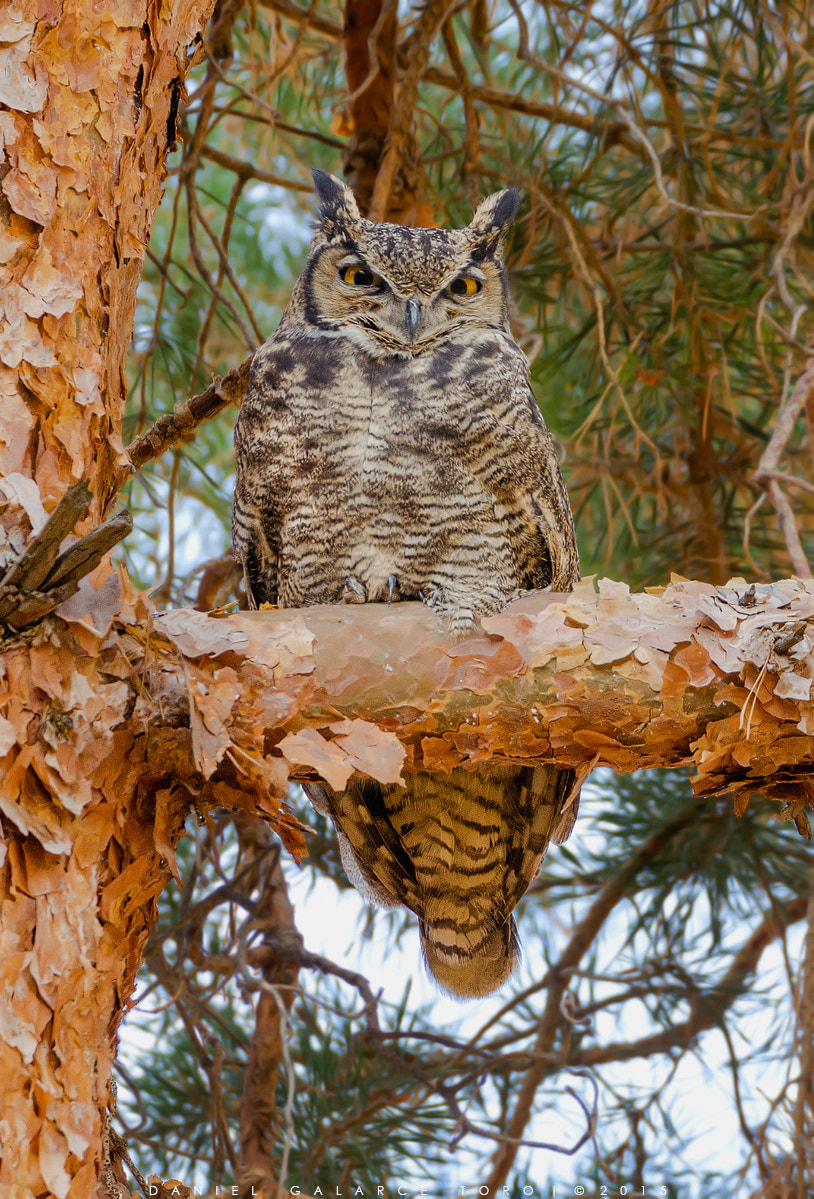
477 840
459 850
468 972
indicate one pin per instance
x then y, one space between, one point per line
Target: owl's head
401 291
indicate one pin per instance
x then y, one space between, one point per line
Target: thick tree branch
717 679
207 710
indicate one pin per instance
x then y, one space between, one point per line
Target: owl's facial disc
409 317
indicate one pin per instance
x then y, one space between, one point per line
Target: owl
390 448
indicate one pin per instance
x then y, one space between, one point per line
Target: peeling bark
88 94
717 679
87 828
87 106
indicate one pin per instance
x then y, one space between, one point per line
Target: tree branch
417 49
558 979
260 1118
709 1006
249 170
42 578
613 132
324 26
715 678
370 32
177 426
33 566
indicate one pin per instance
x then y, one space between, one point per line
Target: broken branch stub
42 577
30 570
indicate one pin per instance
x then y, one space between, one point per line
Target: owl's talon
247 587
354 592
392 585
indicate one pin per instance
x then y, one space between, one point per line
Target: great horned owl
390 448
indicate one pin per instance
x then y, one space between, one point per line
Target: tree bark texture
717 679
714 678
117 721
89 95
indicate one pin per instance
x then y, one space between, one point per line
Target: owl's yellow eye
360 276
464 285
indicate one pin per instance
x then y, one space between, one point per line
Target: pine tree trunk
89 95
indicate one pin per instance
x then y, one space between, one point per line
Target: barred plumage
459 850
390 447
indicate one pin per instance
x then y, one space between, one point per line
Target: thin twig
788 527
707 1006
195 215
249 170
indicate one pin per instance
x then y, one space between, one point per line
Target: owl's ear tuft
338 209
491 220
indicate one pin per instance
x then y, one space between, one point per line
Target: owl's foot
392 588
353 592
457 617
461 611
431 597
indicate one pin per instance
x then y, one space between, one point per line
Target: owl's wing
255 512
373 855
545 810
549 557
512 454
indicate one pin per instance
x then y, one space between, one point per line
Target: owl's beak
412 315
